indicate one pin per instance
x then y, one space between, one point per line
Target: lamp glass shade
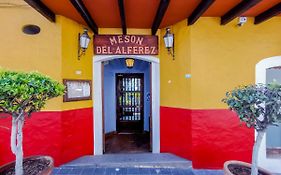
130 62
168 39
84 40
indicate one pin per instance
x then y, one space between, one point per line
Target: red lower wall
41 135
217 136
77 132
207 137
63 135
175 131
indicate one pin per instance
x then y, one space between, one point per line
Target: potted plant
21 94
258 106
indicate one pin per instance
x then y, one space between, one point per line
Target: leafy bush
258 106
21 94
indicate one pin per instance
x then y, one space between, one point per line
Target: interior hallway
127 143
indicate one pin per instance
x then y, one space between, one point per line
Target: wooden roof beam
162 8
42 9
199 10
122 16
84 13
273 11
238 10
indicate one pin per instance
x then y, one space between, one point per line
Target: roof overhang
153 14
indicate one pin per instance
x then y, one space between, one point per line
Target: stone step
121 171
142 160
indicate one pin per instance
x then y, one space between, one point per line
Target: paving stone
110 171
208 172
100 171
133 171
87 171
65 171
174 172
76 171
56 170
133 164
157 171
182 172
145 171
165 171
121 171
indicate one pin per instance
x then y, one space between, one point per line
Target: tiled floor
133 171
131 164
122 171
127 143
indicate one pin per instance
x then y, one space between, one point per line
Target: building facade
188 117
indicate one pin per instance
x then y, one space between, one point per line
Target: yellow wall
22 52
224 57
70 62
174 87
52 52
219 58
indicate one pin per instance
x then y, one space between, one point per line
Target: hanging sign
126 45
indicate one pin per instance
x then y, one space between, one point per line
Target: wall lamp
129 62
83 43
169 42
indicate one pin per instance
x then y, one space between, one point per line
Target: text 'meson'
126 45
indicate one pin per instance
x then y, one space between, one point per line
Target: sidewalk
132 171
131 164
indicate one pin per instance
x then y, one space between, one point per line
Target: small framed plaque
77 90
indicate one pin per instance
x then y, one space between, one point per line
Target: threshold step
141 160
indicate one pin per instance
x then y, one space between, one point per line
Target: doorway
131 136
98 62
126 106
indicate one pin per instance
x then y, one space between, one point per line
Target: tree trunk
14 136
254 169
16 142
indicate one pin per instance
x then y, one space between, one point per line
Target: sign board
77 90
126 45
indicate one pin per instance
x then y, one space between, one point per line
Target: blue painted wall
118 66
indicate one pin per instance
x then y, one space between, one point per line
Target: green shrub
258 106
21 94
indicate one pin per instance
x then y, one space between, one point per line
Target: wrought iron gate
129 95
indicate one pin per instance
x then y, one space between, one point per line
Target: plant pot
37 160
239 164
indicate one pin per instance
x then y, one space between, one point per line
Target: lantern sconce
83 43
169 42
129 62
